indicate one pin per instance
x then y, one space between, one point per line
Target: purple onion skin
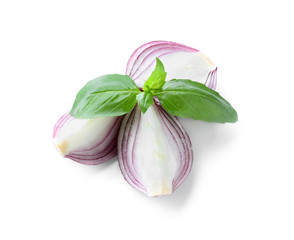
180 61
156 158
102 146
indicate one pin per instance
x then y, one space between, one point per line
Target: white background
242 182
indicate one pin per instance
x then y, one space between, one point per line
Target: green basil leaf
145 100
156 79
108 95
189 99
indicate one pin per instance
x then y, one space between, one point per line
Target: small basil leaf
108 95
156 79
145 100
189 99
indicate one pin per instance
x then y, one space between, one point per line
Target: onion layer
87 141
154 151
180 62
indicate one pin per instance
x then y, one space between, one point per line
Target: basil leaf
145 100
188 99
108 95
156 79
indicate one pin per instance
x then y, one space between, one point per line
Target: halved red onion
154 151
87 141
180 61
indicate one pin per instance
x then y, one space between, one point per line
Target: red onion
154 151
87 141
180 61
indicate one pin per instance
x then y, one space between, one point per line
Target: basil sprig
108 95
156 80
145 100
115 95
188 99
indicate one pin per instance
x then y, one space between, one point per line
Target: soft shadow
205 137
94 169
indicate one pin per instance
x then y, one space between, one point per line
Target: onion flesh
154 151
87 141
180 62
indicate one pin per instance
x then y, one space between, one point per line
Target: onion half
180 61
87 141
154 151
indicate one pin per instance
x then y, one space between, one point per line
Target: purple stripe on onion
180 62
87 141
154 151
